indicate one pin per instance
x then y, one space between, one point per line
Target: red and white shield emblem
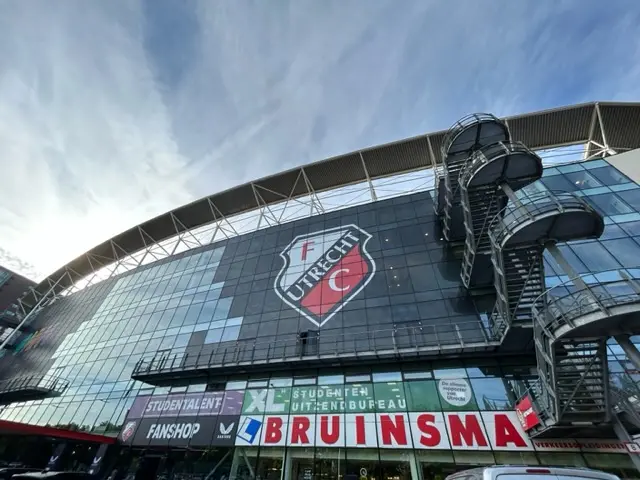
128 431
324 270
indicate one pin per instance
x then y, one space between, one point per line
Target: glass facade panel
363 295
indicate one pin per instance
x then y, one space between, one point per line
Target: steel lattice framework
597 128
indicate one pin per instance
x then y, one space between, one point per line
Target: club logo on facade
127 431
324 270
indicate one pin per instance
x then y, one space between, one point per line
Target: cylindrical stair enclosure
569 321
483 197
461 140
518 237
573 394
599 309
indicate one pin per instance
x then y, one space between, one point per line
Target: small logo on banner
526 415
226 429
249 429
324 270
127 431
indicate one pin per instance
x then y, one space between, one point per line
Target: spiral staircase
505 235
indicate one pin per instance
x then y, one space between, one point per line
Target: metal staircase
505 236
488 177
572 323
465 137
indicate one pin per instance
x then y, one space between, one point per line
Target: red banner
526 415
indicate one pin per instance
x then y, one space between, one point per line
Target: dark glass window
582 180
608 204
632 197
492 394
595 256
632 228
625 250
609 176
558 183
612 231
571 257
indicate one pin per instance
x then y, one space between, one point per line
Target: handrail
463 123
416 338
27 382
487 154
530 206
557 311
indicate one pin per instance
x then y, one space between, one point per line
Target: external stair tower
465 137
572 324
488 178
509 231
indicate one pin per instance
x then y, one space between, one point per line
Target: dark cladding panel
175 432
340 284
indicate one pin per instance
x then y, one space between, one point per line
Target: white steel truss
290 208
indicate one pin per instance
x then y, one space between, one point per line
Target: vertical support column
511 195
624 436
629 349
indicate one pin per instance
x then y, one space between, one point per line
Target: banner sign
445 394
188 404
430 414
420 430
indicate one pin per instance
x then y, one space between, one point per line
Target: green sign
422 396
417 396
390 397
273 400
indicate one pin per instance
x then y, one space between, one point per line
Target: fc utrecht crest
324 270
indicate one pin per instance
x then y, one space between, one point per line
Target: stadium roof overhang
602 126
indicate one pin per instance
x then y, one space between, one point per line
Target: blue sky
113 112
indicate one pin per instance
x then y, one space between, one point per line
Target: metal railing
29 383
531 207
438 177
487 154
553 311
627 402
623 400
463 124
389 343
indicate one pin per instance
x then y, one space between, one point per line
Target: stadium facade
489 318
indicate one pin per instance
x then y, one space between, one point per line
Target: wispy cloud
112 112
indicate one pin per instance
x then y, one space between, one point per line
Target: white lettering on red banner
419 430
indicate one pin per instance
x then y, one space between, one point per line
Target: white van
518 472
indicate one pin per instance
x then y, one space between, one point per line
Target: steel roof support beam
372 190
150 246
262 206
284 197
291 197
145 236
312 193
607 149
184 232
592 129
31 313
220 218
434 160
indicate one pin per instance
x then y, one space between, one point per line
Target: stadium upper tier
602 126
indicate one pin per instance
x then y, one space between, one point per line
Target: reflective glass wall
209 299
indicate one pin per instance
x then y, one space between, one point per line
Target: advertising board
424 414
